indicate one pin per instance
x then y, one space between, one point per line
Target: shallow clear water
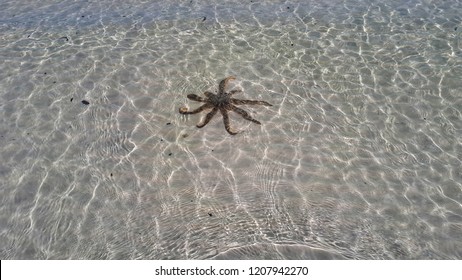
359 158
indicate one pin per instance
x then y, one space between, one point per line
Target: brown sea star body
222 102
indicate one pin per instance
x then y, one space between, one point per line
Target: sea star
222 102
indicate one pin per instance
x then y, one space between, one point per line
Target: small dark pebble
288 8
54 82
72 98
212 150
210 214
292 45
170 154
111 175
83 16
85 102
204 18
45 73
169 123
455 28
161 140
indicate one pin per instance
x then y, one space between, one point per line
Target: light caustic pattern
359 157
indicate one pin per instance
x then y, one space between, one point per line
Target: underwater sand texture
358 158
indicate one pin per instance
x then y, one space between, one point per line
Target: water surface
359 158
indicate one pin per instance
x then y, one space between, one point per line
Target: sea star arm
224 112
234 91
184 110
243 113
249 102
208 117
196 98
208 94
224 83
